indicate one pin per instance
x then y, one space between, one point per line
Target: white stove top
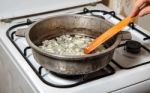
129 68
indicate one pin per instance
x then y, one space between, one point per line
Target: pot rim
69 57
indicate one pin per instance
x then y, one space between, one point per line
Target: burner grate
121 65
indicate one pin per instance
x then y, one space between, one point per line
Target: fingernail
140 15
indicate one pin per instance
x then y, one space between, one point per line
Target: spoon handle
108 34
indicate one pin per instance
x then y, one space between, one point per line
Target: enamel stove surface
125 70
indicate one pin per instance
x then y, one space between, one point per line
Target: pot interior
69 24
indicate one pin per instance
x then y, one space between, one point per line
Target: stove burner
100 73
133 46
67 76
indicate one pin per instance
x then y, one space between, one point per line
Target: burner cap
133 46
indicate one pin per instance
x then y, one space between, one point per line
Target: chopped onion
67 45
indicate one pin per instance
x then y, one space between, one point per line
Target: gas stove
127 72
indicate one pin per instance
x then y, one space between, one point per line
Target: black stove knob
133 46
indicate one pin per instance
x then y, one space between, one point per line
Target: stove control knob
132 46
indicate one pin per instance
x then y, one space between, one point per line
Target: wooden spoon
108 34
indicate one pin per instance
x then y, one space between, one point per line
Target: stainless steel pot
71 24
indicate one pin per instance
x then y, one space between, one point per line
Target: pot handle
126 35
21 32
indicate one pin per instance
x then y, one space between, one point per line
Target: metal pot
71 24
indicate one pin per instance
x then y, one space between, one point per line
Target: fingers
138 6
140 3
144 11
135 12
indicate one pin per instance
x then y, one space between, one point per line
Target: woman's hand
141 8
